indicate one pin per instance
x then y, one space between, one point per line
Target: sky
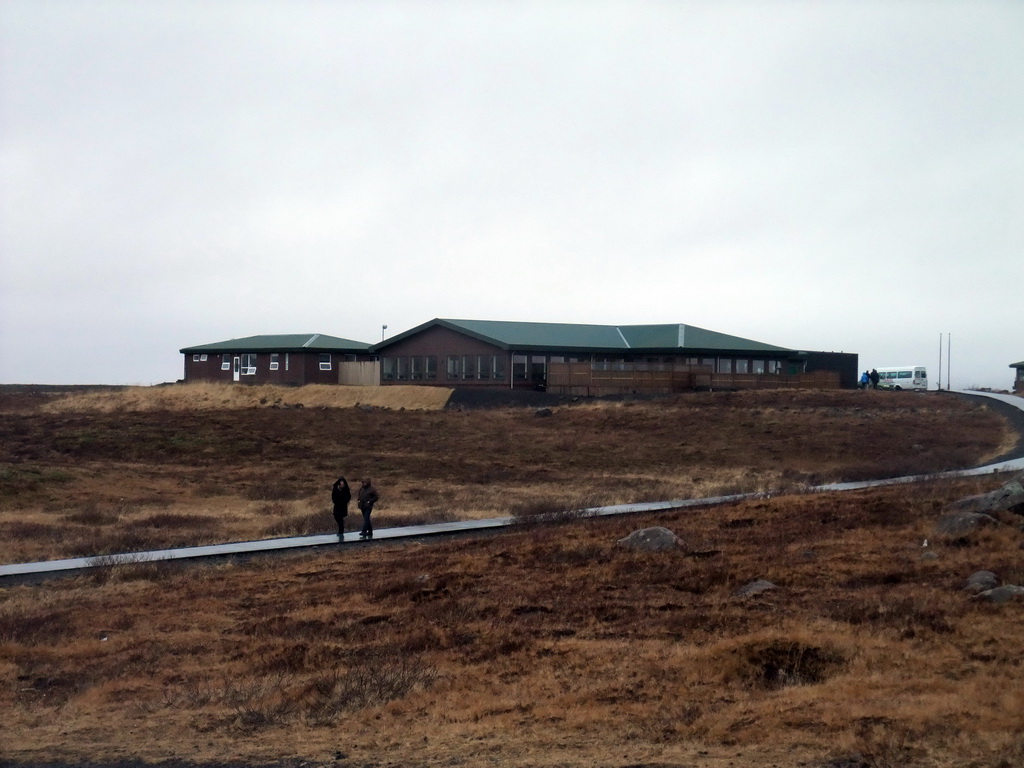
829 175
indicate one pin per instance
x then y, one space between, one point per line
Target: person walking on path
874 379
341 495
368 496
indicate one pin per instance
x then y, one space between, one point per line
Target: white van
903 377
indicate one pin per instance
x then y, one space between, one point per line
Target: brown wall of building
293 368
441 343
205 370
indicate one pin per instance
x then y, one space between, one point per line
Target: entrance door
236 369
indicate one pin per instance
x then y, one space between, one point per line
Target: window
774 367
519 367
725 365
325 361
402 368
195 358
498 367
539 369
415 368
225 362
275 361
387 368
454 367
286 361
905 375
483 367
759 366
469 367
430 367
248 364
741 366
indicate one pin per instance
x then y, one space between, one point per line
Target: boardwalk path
1011 406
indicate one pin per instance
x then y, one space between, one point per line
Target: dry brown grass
546 646
110 471
216 397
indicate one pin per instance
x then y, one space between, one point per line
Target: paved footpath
27 572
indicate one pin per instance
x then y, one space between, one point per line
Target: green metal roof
571 336
1017 365
288 342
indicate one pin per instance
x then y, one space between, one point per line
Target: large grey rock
1009 497
981 581
755 588
1002 594
962 523
656 539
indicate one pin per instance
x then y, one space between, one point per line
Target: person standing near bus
874 379
865 378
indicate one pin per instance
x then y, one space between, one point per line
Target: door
236 369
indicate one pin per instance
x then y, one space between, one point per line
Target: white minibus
903 377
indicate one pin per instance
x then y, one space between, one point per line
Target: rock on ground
960 523
755 588
1002 594
981 581
655 539
1009 497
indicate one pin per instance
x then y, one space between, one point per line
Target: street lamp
382 329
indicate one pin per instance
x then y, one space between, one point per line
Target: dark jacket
340 496
368 496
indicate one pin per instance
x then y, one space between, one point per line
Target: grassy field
549 645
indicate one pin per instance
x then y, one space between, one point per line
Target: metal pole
940 362
949 341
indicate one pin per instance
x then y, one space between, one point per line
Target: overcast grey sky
819 175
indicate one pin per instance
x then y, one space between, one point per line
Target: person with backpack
368 496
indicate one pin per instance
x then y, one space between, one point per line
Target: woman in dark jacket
341 495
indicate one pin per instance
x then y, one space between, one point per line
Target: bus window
905 375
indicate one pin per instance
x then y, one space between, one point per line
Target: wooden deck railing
594 380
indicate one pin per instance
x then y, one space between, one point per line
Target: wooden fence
359 374
590 380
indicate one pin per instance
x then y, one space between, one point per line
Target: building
599 359
310 358
1018 382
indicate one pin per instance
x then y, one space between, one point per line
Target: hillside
549 645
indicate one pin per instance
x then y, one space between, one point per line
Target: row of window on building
526 367
247 361
494 367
